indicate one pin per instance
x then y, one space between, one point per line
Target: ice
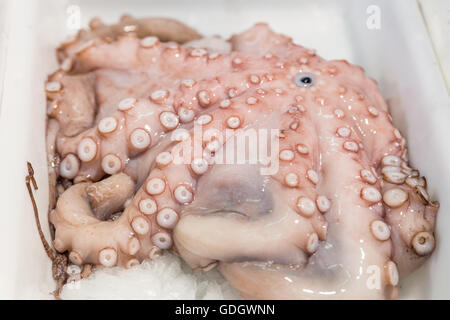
167 277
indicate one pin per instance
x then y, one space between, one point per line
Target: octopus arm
163 28
81 228
72 102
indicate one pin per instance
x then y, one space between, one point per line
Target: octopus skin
343 216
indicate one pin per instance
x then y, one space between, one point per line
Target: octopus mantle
343 216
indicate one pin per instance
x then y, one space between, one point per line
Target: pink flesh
247 222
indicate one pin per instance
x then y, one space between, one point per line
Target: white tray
398 55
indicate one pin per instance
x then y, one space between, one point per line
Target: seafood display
253 155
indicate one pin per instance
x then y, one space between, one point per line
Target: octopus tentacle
91 240
410 213
171 105
162 28
72 101
343 191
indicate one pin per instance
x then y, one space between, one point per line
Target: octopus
141 116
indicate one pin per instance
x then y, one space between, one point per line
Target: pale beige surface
437 17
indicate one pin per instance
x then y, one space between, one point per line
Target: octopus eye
304 79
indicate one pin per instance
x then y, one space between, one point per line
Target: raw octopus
342 215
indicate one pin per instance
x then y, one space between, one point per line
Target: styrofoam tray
398 54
